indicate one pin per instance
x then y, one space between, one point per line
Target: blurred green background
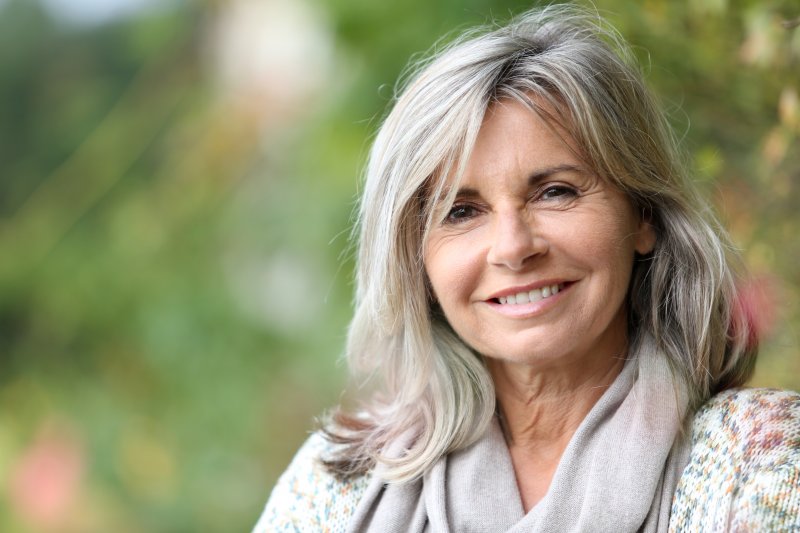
176 194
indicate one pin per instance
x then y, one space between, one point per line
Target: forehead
519 138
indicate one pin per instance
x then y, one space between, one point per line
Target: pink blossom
46 478
756 307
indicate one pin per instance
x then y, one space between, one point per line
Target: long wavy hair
569 66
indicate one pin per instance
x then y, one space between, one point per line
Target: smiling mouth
534 295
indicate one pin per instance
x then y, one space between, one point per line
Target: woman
552 311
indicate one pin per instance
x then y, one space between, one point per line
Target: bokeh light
178 180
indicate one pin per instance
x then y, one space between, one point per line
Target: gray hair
567 65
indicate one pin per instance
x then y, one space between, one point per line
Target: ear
645 236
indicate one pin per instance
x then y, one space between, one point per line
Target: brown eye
461 212
558 192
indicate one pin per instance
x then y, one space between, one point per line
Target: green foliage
175 277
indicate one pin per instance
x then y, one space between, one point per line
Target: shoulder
309 498
744 466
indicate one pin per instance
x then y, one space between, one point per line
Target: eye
558 192
461 212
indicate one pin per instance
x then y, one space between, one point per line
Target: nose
514 241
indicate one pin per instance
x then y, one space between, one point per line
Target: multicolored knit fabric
743 474
744 469
307 498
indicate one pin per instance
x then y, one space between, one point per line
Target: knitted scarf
618 472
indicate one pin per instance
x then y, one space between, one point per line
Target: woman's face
532 263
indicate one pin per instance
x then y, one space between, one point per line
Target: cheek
600 244
607 235
610 247
452 269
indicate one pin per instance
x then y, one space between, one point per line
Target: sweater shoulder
744 467
776 400
307 497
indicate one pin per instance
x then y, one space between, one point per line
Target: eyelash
564 190
456 214
451 215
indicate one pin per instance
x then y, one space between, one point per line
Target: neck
544 408
540 411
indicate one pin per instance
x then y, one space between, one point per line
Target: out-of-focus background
176 186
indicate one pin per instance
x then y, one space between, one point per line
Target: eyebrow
533 179
539 175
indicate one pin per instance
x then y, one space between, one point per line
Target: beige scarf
618 472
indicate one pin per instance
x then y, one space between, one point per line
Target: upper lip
526 288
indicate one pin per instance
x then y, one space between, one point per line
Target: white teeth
531 296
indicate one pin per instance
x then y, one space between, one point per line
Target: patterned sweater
743 474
